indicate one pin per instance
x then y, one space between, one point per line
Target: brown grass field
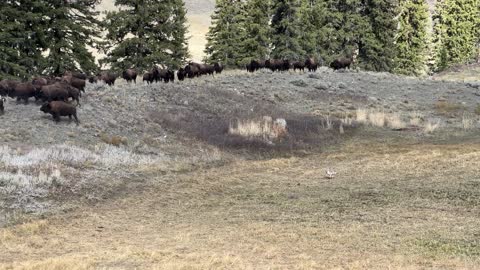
392 206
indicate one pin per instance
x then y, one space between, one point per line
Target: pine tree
286 30
412 38
21 38
256 44
70 28
456 32
344 28
312 20
226 33
377 44
146 32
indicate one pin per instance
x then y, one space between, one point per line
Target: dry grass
448 108
378 213
394 121
431 126
265 128
113 140
477 109
416 119
468 121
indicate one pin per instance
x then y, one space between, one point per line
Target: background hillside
199 12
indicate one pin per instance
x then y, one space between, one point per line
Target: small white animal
330 173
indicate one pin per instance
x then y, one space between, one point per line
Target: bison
23 91
108 77
148 77
60 108
192 71
166 75
311 64
58 91
77 75
342 63
299 65
75 82
130 75
181 74
218 68
6 86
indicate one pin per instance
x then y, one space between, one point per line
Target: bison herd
58 93
311 64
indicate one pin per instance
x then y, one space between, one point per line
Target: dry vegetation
230 173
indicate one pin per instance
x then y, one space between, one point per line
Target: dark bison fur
148 77
130 75
7 86
181 74
341 63
23 91
60 108
298 65
311 64
218 68
58 92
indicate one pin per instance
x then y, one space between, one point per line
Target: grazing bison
77 75
342 63
6 86
75 82
130 75
298 65
60 108
2 101
207 69
108 77
311 64
192 71
148 77
181 74
58 91
218 68
23 91
166 75
277 65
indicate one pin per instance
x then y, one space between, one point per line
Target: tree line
386 35
54 36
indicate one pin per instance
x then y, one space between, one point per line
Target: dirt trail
412 207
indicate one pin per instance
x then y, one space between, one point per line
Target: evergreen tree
256 44
312 20
226 33
412 38
344 28
146 32
70 26
377 43
456 31
21 38
286 30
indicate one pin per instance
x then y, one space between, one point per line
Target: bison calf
60 108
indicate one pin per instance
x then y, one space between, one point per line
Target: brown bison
23 91
77 75
277 65
108 77
298 65
75 82
166 75
60 108
311 64
58 91
148 77
130 75
218 68
6 86
192 71
342 63
181 74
